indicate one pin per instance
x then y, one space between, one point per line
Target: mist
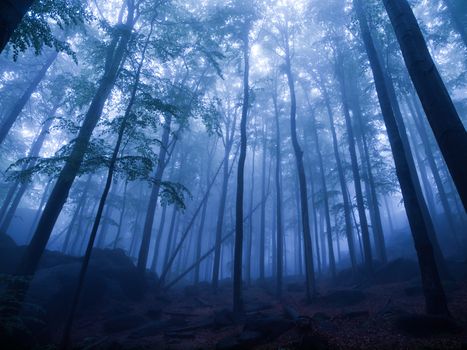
233 174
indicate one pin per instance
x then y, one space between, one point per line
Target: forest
233 174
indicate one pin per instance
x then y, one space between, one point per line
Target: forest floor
384 314
388 316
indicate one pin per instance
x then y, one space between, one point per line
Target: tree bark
309 270
355 168
59 195
278 184
238 250
435 299
156 186
439 109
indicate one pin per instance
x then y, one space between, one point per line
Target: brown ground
383 317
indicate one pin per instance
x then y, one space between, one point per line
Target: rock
111 275
123 323
344 297
399 270
426 325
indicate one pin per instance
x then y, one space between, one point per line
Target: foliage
38 26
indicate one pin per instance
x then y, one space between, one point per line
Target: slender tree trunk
435 299
151 211
372 194
220 215
237 273
115 54
160 231
122 213
342 181
327 216
250 222
309 270
279 226
439 109
77 213
262 234
65 344
355 170
169 240
11 14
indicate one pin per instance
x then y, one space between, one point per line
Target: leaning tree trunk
237 273
435 299
150 213
309 270
13 115
11 14
59 195
65 344
440 111
419 124
33 153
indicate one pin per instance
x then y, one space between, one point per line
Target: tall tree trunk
279 253
221 215
355 170
391 91
419 124
250 222
65 344
11 14
13 115
373 196
435 299
342 181
327 216
238 250
262 234
115 54
439 109
309 270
